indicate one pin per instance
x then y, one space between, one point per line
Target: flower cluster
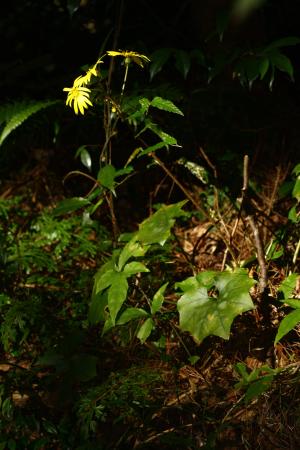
79 95
130 56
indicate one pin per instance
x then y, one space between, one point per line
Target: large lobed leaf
203 315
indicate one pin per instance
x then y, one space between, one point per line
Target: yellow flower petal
134 56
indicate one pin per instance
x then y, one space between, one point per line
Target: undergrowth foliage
77 299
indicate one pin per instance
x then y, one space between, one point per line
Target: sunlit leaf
106 176
152 148
158 299
145 330
117 294
157 228
165 105
287 324
288 285
132 249
258 387
203 315
70 205
85 157
131 314
134 267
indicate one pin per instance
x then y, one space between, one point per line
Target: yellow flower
79 96
134 56
83 80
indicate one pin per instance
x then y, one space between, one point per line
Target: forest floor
198 397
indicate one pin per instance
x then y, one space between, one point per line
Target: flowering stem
124 81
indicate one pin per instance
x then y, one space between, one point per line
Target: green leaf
152 148
293 302
296 170
158 299
198 171
284 42
131 314
282 63
19 112
287 324
193 359
203 315
264 65
294 215
296 189
182 62
85 157
145 330
70 205
288 285
106 176
117 294
165 137
105 280
134 267
132 249
158 60
166 105
258 387
97 307
157 228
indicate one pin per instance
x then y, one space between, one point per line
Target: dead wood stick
263 277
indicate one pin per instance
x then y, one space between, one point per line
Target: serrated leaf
117 294
158 60
157 228
145 103
165 137
182 62
198 171
131 314
203 315
166 105
158 299
70 205
145 330
134 267
287 324
106 176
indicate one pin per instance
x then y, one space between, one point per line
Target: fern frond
14 114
